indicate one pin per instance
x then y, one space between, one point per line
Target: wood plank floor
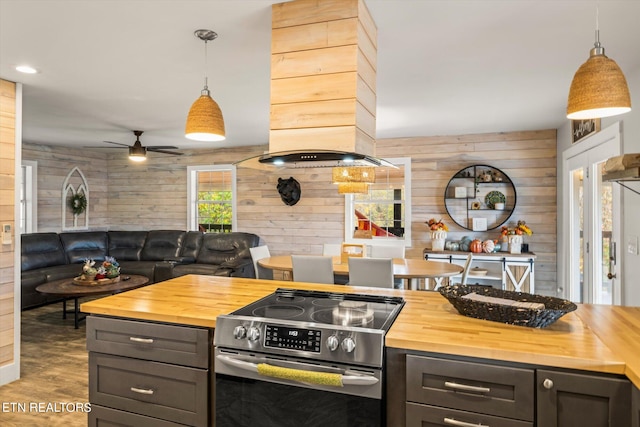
54 372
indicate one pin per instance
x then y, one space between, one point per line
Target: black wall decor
289 190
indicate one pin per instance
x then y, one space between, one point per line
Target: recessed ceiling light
26 69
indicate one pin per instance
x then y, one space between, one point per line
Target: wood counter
593 338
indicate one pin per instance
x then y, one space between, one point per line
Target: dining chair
312 268
375 272
257 254
331 249
389 252
465 271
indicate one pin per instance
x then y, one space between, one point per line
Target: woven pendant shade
364 174
205 122
598 89
353 187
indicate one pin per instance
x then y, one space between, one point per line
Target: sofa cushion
142 268
63 272
40 250
192 243
126 245
226 249
162 244
82 245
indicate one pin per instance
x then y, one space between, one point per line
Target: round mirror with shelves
480 198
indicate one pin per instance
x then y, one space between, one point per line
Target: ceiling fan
138 153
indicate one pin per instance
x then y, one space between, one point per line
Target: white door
591 221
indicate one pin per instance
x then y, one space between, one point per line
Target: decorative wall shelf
480 198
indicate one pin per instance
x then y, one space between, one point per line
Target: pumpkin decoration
464 244
488 246
476 246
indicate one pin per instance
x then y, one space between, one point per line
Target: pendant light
353 188
205 122
599 88
363 174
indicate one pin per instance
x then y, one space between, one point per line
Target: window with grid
384 212
212 198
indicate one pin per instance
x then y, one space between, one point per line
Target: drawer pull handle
142 390
452 422
142 340
464 387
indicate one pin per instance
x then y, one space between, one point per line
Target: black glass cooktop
355 310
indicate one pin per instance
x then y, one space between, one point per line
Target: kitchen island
593 339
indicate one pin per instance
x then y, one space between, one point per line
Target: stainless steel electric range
303 358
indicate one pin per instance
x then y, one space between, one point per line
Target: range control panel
292 338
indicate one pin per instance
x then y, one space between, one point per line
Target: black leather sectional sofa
157 254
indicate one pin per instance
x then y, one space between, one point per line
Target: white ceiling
444 66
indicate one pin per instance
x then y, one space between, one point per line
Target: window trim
349 224
30 188
192 198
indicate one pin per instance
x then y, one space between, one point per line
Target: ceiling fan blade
162 147
125 146
117 143
175 153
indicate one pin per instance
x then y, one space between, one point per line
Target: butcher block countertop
593 338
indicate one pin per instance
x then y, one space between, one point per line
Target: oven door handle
300 375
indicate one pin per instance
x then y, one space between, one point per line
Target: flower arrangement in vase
438 234
514 236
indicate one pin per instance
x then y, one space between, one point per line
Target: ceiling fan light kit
599 88
205 121
137 154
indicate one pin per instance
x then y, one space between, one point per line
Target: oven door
263 391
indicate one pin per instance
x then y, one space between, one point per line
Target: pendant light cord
206 79
597 43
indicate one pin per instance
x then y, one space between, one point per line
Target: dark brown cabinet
635 407
578 400
457 391
451 392
143 373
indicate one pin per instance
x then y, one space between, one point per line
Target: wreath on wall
78 203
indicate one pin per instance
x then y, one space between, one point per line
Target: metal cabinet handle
465 387
142 340
142 390
547 383
453 422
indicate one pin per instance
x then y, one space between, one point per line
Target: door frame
608 134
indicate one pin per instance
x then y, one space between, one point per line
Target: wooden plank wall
152 195
54 163
7 216
528 158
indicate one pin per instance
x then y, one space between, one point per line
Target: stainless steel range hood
311 159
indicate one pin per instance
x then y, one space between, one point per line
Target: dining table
411 270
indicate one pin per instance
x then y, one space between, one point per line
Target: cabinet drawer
476 387
107 417
181 345
169 392
421 415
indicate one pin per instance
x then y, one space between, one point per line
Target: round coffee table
66 289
